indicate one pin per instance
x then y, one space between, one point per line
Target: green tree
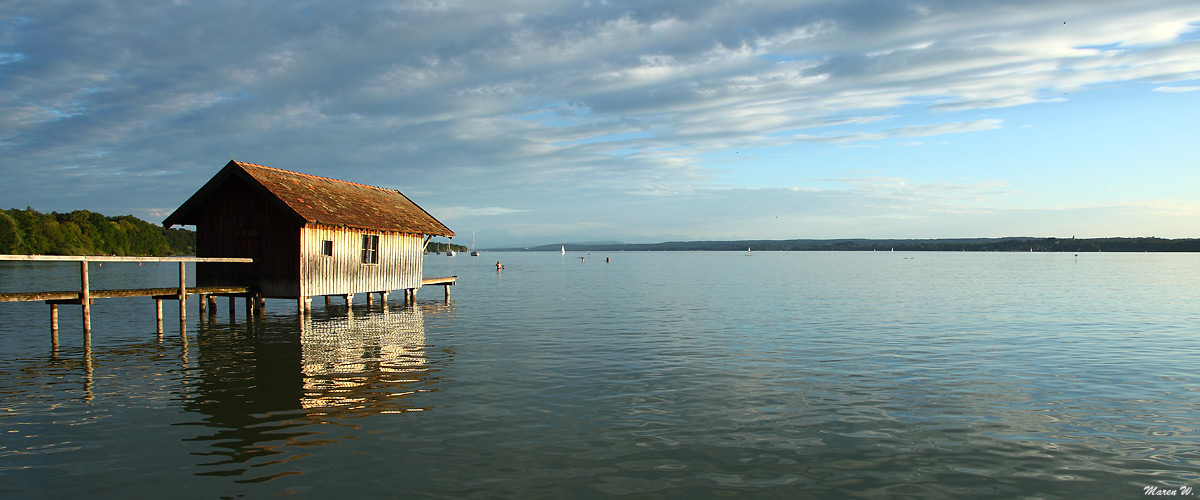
88 233
10 234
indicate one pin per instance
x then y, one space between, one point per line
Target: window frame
370 249
327 248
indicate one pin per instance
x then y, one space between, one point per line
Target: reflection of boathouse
309 236
358 360
266 393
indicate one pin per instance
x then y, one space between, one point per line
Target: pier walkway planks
86 295
74 296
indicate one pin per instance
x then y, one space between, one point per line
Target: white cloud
1192 88
537 102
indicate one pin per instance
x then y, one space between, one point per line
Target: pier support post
262 305
304 305
327 302
447 287
249 307
203 305
212 305
370 299
182 293
349 299
158 314
54 323
85 298
232 303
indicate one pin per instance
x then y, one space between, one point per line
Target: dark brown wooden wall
239 221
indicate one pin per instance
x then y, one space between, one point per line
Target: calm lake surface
657 375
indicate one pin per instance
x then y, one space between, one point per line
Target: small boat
473 252
563 250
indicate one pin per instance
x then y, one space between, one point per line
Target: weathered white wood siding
399 267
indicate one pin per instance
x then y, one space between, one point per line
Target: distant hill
1011 244
88 233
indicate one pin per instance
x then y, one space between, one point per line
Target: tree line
442 247
82 232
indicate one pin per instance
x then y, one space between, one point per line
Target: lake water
655 375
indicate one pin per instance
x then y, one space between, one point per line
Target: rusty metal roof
320 200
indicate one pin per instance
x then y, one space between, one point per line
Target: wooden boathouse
307 235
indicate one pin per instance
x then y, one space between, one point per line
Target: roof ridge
245 163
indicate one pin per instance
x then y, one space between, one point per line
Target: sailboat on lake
473 252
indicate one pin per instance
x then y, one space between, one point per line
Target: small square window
327 248
370 249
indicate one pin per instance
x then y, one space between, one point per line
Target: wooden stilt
262 305
326 301
203 306
232 303
249 307
158 314
370 299
54 324
85 297
349 299
182 293
447 287
212 305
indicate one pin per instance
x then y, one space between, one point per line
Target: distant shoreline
1012 244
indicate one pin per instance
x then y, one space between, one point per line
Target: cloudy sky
541 121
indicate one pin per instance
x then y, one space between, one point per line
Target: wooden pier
445 282
85 296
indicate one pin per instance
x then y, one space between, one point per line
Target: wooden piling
158 314
54 322
85 297
203 306
182 292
